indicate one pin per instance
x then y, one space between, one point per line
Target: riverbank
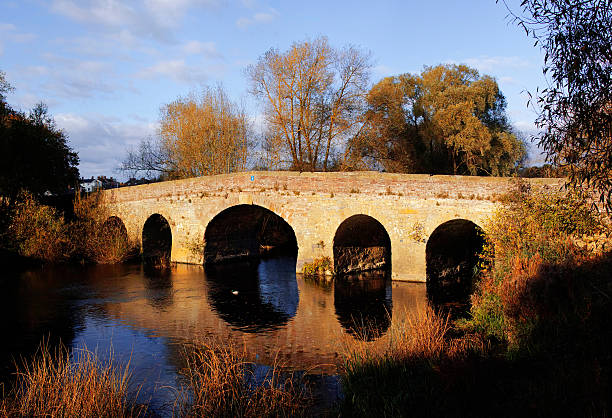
536 341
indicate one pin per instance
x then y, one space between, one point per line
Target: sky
105 67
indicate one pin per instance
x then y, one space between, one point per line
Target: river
148 316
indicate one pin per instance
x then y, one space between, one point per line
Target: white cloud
5 27
207 49
257 18
486 64
102 141
144 18
69 78
9 32
177 70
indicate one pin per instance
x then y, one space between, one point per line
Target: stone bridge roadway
409 207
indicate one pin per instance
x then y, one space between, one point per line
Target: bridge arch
451 255
156 241
248 231
361 243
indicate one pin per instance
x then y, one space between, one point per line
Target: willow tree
312 95
575 109
201 134
448 119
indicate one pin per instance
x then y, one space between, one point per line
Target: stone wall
410 207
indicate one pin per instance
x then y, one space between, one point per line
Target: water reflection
36 306
147 317
363 304
254 296
158 285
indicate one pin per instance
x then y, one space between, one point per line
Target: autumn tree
201 134
448 119
575 109
312 96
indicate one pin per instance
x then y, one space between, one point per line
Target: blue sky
104 67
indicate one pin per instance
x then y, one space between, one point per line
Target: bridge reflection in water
147 316
262 305
254 296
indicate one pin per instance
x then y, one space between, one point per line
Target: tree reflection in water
364 304
254 296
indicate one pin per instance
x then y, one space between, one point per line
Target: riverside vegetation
42 233
535 341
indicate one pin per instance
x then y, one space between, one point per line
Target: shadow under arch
451 256
247 231
364 304
252 295
361 243
156 241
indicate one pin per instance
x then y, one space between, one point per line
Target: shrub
319 266
531 233
38 231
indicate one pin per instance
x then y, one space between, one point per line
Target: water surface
147 316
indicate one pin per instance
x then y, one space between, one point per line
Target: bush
38 231
319 267
531 239
41 232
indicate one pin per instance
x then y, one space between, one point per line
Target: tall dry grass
402 372
220 382
66 383
423 334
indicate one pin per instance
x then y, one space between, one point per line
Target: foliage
223 384
532 230
312 95
97 236
37 231
40 232
70 384
319 266
199 135
5 87
34 154
575 110
448 119
544 171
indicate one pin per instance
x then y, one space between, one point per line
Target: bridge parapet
409 206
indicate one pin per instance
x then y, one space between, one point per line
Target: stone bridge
397 216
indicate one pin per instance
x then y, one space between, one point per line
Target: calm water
148 316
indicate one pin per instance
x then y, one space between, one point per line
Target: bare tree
313 96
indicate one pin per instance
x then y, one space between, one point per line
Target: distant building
90 185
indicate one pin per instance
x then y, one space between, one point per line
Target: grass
67 383
221 383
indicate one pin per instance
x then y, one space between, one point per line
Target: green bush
318 267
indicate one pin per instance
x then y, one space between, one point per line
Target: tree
312 95
34 154
448 119
575 110
198 135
